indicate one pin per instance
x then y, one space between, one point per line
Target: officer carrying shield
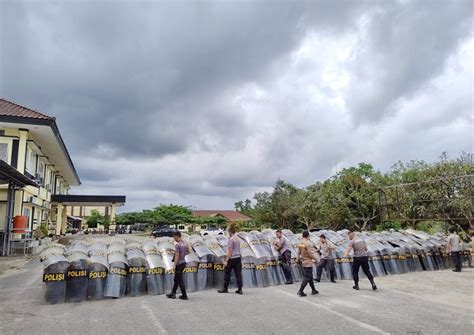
327 260
282 246
307 255
361 259
181 249
233 261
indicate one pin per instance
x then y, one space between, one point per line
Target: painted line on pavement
357 322
152 316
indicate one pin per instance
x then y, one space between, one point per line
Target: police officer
233 261
361 259
453 246
181 249
282 246
307 255
327 260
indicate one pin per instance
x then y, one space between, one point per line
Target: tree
277 209
172 215
96 219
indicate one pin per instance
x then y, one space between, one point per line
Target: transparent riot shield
251 277
167 251
343 265
190 272
137 270
216 260
205 262
156 269
263 274
116 283
293 242
55 267
275 260
274 269
97 275
76 276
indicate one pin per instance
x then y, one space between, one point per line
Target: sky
204 103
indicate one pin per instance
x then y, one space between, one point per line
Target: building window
181 227
4 152
30 161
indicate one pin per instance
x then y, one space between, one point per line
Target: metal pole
8 219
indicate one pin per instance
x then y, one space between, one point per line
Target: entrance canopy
89 200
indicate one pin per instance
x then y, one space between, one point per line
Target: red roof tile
8 108
228 214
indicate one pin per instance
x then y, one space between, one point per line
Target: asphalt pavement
439 302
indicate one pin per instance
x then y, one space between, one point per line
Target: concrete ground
438 302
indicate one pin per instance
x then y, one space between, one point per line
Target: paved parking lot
417 303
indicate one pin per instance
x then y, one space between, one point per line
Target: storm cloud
203 103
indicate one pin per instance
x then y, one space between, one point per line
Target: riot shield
275 273
213 245
156 269
167 251
251 277
116 283
97 275
292 242
190 272
55 267
343 265
76 277
262 255
197 244
137 269
276 263
217 259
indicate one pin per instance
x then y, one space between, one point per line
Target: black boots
173 296
333 281
224 290
374 287
289 282
314 292
301 294
317 280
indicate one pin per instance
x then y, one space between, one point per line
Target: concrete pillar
64 220
112 217
59 219
21 168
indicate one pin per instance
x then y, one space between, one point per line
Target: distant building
231 216
30 142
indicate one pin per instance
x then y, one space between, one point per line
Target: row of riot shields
113 268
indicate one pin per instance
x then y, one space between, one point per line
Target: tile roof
228 214
8 108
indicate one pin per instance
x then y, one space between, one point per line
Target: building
229 215
31 143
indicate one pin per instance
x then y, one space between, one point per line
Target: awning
10 175
75 218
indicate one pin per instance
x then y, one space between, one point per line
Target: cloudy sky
202 103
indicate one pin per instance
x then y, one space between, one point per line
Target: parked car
212 231
163 231
316 229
